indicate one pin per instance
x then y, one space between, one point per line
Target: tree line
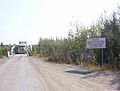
4 49
73 48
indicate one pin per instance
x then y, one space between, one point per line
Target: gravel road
23 73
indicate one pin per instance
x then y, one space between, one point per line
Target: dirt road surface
22 73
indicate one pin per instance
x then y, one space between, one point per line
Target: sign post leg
102 56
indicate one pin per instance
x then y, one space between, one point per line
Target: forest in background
72 50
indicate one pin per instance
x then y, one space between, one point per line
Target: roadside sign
96 43
41 43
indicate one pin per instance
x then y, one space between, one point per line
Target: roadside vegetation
72 49
4 49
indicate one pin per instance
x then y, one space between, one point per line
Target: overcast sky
28 20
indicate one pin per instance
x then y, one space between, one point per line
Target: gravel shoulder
22 73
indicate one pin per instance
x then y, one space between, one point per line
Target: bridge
22 48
